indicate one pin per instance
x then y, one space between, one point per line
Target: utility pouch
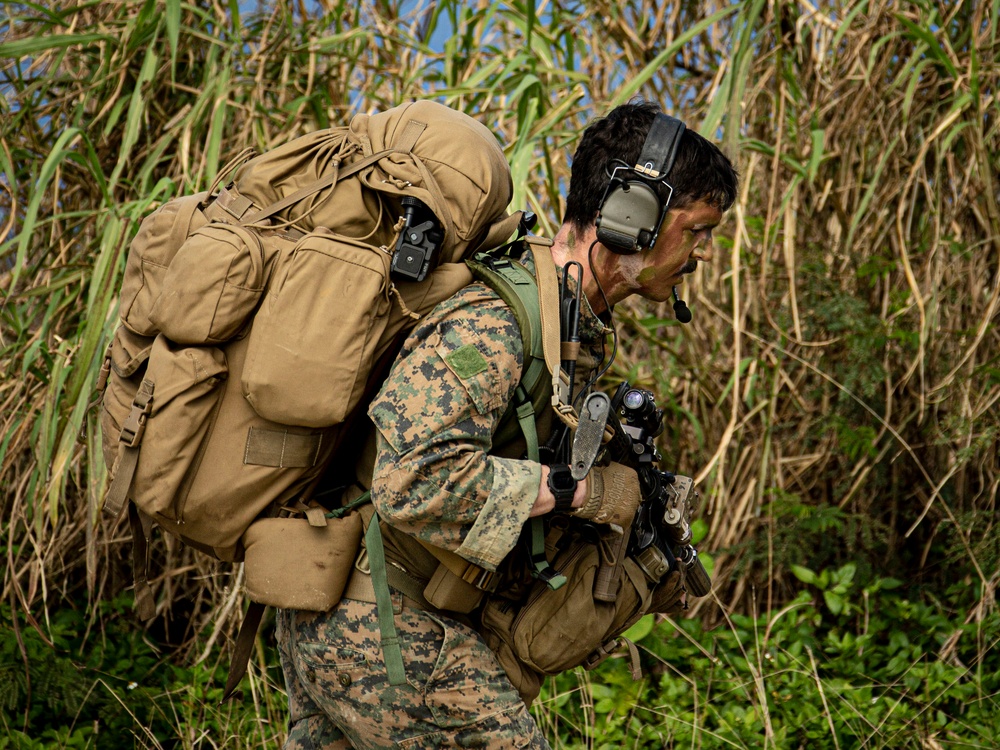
496 620
448 591
295 563
315 335
160 235
212 286
558 629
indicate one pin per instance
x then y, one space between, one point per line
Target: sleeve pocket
462 352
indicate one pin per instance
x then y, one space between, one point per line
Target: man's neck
573 244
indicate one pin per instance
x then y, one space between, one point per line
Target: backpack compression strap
407 140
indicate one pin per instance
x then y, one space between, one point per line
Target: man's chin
662 290
659 295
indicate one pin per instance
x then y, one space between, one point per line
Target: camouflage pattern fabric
339 694
435 418
435 480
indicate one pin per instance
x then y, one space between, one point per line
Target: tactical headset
631 213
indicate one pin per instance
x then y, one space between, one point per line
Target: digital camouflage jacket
437 474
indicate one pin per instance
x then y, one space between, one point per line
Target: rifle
660 535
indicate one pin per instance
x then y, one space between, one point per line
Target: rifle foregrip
696 578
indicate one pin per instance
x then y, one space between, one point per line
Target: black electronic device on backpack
418 242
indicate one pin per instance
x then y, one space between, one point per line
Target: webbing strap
548 301
526 419
412 131
141 527
243 648
391 651
355 503
114 501
516 286
406 142
281 448
536 526
130 441
325 182
543 569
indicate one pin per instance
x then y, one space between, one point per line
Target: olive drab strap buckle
601 653
135 423
128 451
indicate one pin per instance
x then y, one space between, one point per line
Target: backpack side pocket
160 236
314 338
212 285
184 385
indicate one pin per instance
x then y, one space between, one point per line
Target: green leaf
641 629
804 574
707 562
934 47
698 530
846 574
173 20
61 150
834 602
35 44
816 155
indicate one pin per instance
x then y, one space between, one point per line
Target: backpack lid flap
457 168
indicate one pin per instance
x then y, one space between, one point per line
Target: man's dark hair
700 170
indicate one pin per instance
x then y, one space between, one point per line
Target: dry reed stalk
843 352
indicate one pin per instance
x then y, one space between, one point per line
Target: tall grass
837 393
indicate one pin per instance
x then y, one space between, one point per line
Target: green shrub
839 667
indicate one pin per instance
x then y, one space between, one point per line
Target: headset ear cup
628 218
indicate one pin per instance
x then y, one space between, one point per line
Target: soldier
440 482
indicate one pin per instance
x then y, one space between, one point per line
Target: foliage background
836 394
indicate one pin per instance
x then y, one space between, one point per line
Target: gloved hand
614 495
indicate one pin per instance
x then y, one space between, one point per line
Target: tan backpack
252 318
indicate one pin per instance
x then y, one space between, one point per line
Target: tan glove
614 495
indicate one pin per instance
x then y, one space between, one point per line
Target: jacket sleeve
435 417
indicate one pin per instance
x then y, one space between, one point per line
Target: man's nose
703 251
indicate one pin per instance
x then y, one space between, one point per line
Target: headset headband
660 148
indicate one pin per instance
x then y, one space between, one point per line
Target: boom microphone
681 310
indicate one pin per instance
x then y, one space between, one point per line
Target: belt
360 587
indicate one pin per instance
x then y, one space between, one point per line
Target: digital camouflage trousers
456 696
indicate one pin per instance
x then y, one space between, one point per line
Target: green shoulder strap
517 286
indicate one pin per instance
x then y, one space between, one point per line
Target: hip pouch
301 562
557 630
